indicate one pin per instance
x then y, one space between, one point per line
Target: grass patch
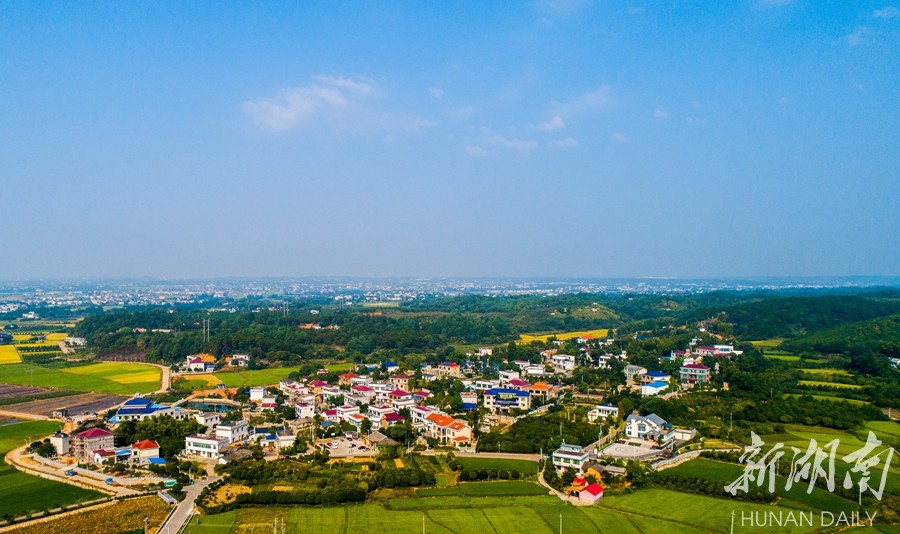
768 343
21 493
827 372
212 524
481 489
525 467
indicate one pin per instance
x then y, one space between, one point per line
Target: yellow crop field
212 380
563 336
8 354
122 373
21 337
57 337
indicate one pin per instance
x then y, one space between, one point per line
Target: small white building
602 411
653 388
234 431
506 376
208 419
568 455
204 446
257 393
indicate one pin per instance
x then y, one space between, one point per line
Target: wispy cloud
660 113
436 92
476 151
887 12
635 10
619 137
775 2
569 142
856 37
593 100
490 138
333 101
556 123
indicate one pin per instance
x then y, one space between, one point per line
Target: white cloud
660 113
344 83
436 92
333 101
599 99
619 137
569 142
476 151
489 137
857 36
556 123
887 12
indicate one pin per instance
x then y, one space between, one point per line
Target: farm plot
75 404
828 384
258 377
124 516
105 377
563 336
525 467
9 354
21 493
477 489
682 508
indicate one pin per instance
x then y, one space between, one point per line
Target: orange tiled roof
540 385
146 444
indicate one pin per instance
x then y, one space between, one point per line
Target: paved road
184 509
18 458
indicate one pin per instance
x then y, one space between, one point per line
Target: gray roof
377 438
653 418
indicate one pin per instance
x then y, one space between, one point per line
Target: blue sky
554 138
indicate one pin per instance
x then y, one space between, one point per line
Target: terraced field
639 512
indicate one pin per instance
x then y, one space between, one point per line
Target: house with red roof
451 369
143 450
346 378
694 373
591 494
447 430
85 443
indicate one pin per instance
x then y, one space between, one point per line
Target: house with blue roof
653 388
140 408
502 400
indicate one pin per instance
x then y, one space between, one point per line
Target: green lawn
522 466
105 377
212 524
21 493
783 357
